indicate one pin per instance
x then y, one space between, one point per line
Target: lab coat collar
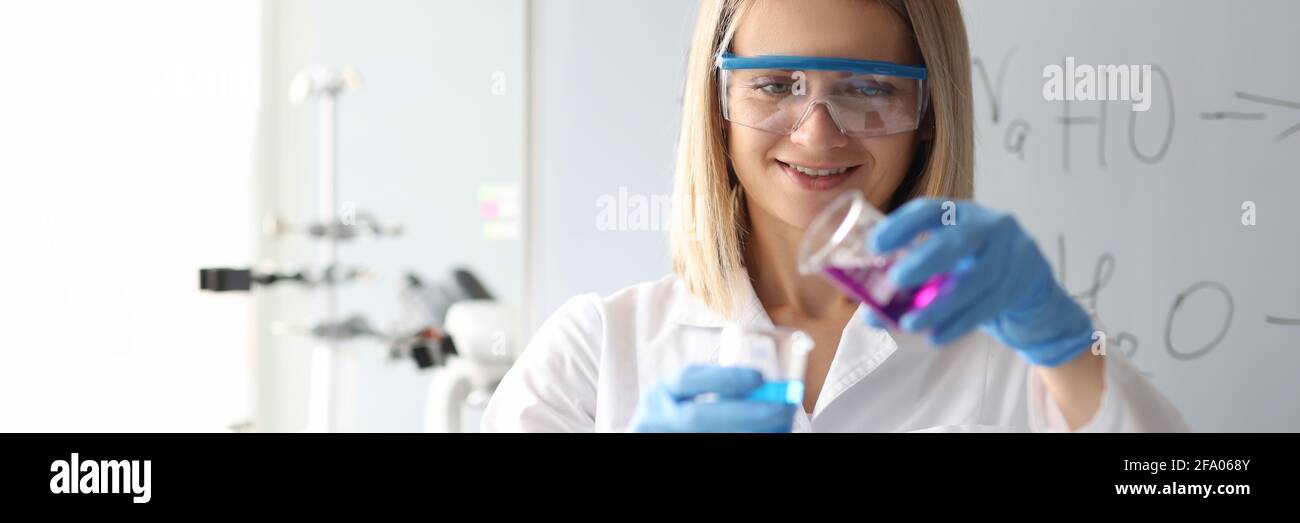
690 310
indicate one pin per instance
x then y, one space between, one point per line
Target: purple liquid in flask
835 246
869 285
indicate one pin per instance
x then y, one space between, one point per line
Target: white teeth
817 172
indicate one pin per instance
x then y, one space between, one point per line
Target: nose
818 129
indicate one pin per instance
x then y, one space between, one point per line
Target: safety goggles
777 93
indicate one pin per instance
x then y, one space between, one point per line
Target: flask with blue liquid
779 354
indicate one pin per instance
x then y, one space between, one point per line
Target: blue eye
869 89
769 85
775 88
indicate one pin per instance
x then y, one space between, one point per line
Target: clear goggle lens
779 100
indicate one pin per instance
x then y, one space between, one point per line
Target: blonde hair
710 222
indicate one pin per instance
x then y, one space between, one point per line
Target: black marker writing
1014 141
1281 321
1126 341
994 91
1274 102
1230 115
1169 128
1178 303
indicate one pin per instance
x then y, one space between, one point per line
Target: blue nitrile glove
671 405
1003 283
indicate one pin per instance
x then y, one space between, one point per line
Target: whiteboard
1144 214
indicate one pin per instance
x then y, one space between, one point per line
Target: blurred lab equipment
465 337
453 328
487 337
325 85
224 279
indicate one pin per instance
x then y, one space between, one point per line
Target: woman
760 154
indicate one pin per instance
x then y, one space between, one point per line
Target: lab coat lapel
862 349
700 327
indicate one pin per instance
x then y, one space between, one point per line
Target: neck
773 269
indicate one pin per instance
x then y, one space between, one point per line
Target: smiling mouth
817 177
818 172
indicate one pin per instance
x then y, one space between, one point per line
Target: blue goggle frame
729 61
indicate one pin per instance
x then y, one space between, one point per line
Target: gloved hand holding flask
921 272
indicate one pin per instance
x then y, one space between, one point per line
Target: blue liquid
779 392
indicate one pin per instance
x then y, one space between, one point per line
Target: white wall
607 83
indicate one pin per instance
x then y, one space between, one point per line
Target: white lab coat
590 362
